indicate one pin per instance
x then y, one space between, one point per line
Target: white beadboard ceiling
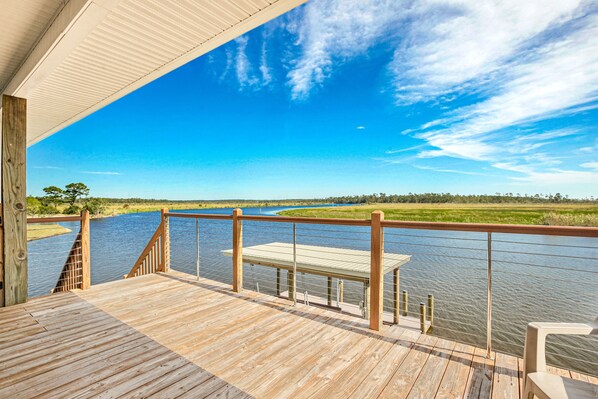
69 58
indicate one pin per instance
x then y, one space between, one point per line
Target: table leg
329 291
277 282
395 296
291 284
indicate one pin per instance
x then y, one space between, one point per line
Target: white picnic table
332 262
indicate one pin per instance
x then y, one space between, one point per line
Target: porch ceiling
69 58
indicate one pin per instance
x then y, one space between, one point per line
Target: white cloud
48 167
360 127
333 30
247 75
400 150
556 79
558 178
460 172
452 43
101 173
264 68
242 64
590 165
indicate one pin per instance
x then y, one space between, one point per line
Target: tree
75 191
33 205
95 206
54 196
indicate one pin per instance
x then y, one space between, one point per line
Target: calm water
534 277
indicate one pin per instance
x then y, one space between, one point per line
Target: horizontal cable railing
58 254
476 283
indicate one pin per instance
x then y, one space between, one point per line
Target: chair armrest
534 358
565 328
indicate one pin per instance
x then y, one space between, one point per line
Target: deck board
170 336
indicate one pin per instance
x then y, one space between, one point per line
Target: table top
320 260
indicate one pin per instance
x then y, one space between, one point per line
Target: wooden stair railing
155 256
76 270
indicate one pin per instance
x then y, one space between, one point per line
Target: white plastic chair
536 380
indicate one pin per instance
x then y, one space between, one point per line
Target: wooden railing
156 254
76 271
377 225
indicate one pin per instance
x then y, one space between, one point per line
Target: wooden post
329 291
341 291
237 250
376 302
14 216
422 317
405 303
85 251
165 267
430 308
395 296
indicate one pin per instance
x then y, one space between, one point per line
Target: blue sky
349 97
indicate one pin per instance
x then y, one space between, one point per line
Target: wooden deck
168 336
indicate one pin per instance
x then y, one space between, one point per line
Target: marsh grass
534 214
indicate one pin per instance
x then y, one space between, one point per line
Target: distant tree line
70 200
446 198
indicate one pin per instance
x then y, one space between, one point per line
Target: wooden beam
377 271
14 216
237 250
85 251
165 264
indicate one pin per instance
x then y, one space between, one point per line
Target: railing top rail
496 228
471 227
308 220
55 219
198 215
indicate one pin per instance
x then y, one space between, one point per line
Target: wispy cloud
400 150
453 45
242 64
558 177
492 71
264 68
335 30
590 165
457 171
88 172
250 76
47 167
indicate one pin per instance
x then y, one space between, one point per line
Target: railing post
165 241
85 251
14 216
376 304
197 247
489 298
237 250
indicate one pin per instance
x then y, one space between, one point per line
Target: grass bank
534 214
136 207
39 231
